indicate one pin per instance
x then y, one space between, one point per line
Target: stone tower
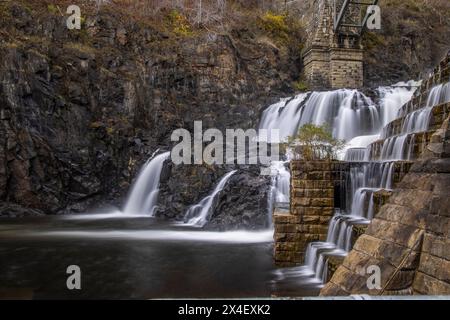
332 59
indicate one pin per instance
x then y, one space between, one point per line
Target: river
132 257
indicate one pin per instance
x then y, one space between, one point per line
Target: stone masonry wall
317 68
346 68
312 206
328 61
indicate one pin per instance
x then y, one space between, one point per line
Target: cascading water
392 98
355 118
279 115
439 94
279 188
144 192
417 121
372 176
355 149
349 113
199 214
400 147
345 111
282 182
355 155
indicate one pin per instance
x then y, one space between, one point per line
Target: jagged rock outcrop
80 111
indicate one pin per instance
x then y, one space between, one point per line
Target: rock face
80 111
412 40
243 203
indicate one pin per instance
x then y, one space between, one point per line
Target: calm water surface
136 258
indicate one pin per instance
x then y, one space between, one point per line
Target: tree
314 142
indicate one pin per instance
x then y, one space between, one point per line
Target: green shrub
301 86
314 142
274 23
179 23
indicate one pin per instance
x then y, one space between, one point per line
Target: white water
394 97
163 235
286 111
400 147
355 118
417 121
439 94
374 175
364 179
355 149
199 214
279 188
396 148
282 181
144 192
346 111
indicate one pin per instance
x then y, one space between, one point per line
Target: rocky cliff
81 110
413 38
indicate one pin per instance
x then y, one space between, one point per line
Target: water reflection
137 258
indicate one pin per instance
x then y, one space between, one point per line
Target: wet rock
11 210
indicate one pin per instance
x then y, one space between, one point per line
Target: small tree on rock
314 142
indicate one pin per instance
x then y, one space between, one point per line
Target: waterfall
344 110
143 197
279 191
417 121
439 94
364 179
373 175
282 182
283 116
393 98
356 149
199 214
356 119
397 147
355 155
401 146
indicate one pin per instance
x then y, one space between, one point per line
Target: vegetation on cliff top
413 38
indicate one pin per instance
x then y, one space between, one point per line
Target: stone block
436 245
427 285
435 267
